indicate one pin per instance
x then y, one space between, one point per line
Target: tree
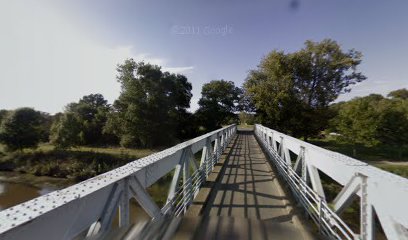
358 121
3 114
393 123
150 105
88 116
65 131
400 94
219 100
292 91
46 121
21 128
91 112
373 120
246 118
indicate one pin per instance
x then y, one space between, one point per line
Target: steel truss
89 207
381 193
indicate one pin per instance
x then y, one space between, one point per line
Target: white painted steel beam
65 213
386 193
347 194
144 199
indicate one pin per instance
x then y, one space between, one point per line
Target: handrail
381 193
90 206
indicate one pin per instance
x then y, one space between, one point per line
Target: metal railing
381 193
87 209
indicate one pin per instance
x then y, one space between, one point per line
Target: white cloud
46 62
368 87
148 58
179 69
162 62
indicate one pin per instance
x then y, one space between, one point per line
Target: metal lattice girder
144 199
315 180
387 192
299 160
63 214
347 194
177 175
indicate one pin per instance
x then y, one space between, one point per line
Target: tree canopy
400 93
150 105
65 131
219 100
21 128
357 121
372 120
292 91
82 123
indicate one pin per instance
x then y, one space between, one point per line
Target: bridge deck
248 188
246 201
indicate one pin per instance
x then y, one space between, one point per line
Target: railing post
280 147
320 213
176 177
187 184
124 215
205 158
366 212
217 147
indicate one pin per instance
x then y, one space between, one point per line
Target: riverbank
389 158
17 188
75 164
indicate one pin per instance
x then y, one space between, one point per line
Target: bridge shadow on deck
247 185
245 202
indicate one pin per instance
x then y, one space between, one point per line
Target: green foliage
150 106
3 114
219 100
21 128
393 124
373 120
401 170
399 94
292 91
358 121
92 112
83 123
246 118
78 165
66 131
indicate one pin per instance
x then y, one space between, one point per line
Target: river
16 188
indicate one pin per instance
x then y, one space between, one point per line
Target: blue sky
54 52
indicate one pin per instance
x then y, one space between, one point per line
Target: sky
54 52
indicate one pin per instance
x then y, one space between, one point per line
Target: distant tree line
290 92
151 111
294 93
373 120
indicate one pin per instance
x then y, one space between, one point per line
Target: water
17 188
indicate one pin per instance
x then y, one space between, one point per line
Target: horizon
53 53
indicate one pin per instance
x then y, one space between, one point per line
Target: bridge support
357 186
89 207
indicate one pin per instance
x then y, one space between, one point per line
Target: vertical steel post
124 211
366 212
187 184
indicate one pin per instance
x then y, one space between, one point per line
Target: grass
384 157
76 163
245 127
137 153
381 156
401 170
375 153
